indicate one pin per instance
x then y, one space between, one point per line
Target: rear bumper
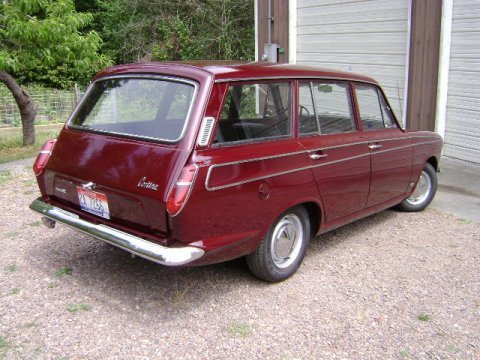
133 244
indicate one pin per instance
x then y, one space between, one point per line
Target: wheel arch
314 210
433 161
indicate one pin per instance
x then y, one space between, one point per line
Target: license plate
93 202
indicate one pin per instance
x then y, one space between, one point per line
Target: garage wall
462 130
368 37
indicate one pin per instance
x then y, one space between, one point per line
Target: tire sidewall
405 205
276 273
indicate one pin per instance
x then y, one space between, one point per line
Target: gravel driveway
393 285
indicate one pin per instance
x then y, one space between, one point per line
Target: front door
390 146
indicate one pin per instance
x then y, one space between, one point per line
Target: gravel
393 285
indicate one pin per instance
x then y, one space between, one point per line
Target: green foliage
41 41
140 30
63 271
76 307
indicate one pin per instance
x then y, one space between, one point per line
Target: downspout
444 67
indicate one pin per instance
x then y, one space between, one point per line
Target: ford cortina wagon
199 163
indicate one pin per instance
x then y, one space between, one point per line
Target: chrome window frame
195 85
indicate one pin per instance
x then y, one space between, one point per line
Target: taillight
43 156
181 190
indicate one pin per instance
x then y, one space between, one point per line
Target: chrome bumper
133 244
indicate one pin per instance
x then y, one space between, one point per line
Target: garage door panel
368 37
462 132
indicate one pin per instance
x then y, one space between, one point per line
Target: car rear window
144 107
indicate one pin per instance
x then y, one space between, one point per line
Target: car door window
375 114
325 108
333 107
255 111
307 120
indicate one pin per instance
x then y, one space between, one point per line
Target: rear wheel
283 248
424 191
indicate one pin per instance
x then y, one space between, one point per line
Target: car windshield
142 107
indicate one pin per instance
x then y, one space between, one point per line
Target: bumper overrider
133 244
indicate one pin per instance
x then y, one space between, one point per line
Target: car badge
143 183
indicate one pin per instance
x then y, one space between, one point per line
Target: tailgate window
146 107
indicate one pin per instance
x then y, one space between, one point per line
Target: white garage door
368 37
462 131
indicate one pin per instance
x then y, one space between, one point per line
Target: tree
40 39
142 30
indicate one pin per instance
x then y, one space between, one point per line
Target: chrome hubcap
422 190
286 241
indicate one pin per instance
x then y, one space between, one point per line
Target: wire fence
53 106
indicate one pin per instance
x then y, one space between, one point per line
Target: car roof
223 71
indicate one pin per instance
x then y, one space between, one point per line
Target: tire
423 193
283 248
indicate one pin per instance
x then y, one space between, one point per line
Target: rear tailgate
128 180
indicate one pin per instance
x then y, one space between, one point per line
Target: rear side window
255 111
325 107
375 114
141 107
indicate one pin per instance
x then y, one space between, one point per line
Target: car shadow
117 279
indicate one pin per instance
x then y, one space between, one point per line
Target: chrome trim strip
276 174
212 167
292 78
253 179
45 152
133 244
135 76
341 160
392 149
339 146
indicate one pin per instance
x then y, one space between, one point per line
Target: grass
5 176
76 307
63 271
240 329
11 145
15 291
424 317
11 268
405 353
3 343
11 234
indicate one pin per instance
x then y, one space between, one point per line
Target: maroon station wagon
199 163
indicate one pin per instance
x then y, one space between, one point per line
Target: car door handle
317 156
374 146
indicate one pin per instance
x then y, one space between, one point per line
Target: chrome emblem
89 186
60 190
143 183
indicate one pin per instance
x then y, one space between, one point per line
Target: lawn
11 144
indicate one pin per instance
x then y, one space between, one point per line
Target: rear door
390 147
337 152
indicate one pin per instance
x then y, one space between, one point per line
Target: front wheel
283 248
424 191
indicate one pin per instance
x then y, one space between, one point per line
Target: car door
390 147
338 153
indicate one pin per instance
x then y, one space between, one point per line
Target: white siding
462 132
365 36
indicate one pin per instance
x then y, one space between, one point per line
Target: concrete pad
458 190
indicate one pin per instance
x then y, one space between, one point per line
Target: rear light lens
181 190
43 156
